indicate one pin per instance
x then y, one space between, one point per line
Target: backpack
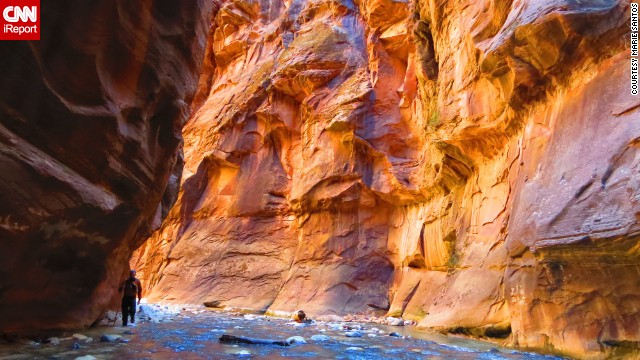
130 288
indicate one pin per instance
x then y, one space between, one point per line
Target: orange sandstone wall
472 165
90 122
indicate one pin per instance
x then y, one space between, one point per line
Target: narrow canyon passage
469 167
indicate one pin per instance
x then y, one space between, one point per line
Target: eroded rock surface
90 129
471 165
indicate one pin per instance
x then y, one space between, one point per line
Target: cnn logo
14 14
20 20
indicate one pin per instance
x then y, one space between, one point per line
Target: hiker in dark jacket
132 288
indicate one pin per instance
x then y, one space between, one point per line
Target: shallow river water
191 335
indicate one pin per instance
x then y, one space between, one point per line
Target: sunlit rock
471 166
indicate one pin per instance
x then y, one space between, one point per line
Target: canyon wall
90 136
471 165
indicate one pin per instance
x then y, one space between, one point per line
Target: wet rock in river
354 348
353 334
83 338
296 340
393 321
239 352
110 338
86 357
320 338
231 339
213 304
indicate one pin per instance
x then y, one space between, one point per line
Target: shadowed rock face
470 165
90 129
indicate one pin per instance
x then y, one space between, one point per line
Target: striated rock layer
90 129
472 165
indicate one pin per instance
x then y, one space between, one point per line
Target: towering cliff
472 165
90 130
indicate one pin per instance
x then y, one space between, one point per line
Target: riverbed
164 332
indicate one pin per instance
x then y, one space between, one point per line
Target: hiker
299 316
132 288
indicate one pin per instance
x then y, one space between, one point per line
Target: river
194 334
